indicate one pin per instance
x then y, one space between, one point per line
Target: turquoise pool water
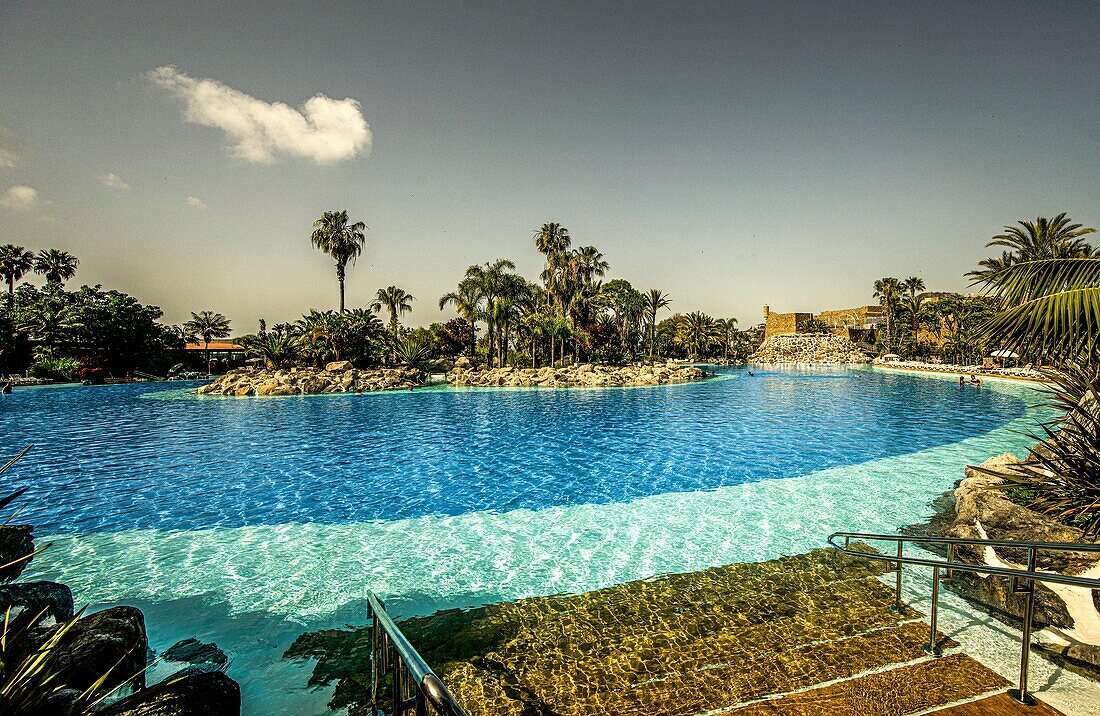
246 521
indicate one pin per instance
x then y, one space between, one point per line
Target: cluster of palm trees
16 262
893 294
572 311
573 314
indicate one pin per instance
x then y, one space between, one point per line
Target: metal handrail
415 686
1023 580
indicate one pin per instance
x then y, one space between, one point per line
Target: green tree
207 325
57 266
341 240
15 263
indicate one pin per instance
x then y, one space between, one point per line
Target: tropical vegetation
572 314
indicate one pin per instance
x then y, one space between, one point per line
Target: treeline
87 334
571 314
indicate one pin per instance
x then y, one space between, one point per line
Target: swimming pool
246 521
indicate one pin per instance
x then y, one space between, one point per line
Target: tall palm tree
553 241
655 300
396 301
15 263
552 238
887 291
341 240
57 266
489 279
207 325
589 264
1043 238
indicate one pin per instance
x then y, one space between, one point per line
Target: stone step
998 705
910 689
807 634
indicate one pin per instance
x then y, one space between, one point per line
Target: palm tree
15 263
467 300
727 333
396 301
552 238
655 300
1050 309
553 241
489 280
1041 239
207 325
57 266
340 240
557 329
589 264
700 332
887 291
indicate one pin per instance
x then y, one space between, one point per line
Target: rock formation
809 349
584 375
338 377
980 512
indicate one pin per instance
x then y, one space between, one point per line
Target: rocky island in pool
583 375
336 377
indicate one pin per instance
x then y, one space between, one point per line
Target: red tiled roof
214 346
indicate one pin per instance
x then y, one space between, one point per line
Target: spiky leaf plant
1061 477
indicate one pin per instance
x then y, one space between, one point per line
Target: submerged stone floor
808 634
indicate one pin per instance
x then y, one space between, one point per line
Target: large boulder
30 599
208 693
983 512
111 642
339 366
16 546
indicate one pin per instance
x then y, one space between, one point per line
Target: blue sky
732 154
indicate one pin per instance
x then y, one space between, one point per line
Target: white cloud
20 198
325 130
112 180
196 203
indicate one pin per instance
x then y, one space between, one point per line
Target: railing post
933 647
1021 694
376 643
898 607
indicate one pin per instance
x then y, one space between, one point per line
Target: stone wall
780 324
809 349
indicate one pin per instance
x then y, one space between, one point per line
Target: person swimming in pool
974 379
